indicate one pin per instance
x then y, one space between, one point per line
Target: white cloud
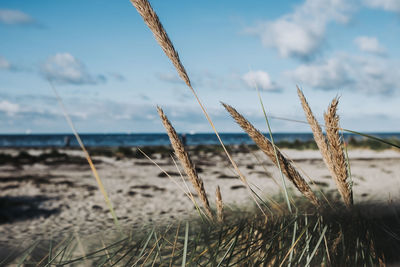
15 17
64 68
365 74
369 44
8 107
301 33
170 77
4 64
329 74
261 79
388 5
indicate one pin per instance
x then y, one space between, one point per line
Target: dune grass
367 235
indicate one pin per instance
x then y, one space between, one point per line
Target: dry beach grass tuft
184 158
331 146
267 147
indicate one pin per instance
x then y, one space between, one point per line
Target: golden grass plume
220 205
187 164
151 19
153 22
330 146
267 147
337 154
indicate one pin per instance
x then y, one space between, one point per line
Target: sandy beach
57 193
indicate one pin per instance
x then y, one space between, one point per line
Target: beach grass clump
366 235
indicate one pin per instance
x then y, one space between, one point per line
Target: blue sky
111 73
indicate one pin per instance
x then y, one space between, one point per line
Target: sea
151 139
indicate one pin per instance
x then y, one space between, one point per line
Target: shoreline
54 191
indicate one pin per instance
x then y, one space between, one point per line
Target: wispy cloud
301 33
170 77
8 107
63 68
4 64
331 74
259 79
370 45
368 74
388 5
205 79
117 76
15 17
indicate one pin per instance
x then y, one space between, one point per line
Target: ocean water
150 139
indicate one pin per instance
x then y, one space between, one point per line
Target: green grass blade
293 242
27 253
276 154
88 158
144 247
185 244
343 129
317 245
228 250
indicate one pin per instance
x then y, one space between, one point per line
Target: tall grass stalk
273 144
265 145
186 162
185 245
316 246
151 19
88 158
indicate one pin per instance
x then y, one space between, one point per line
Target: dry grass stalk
184 158
317 132
151 19
330 146
220 205
337 155
266 146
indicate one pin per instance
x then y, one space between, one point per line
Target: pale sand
140 196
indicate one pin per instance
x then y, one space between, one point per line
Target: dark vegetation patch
54 157
145 186
131 193
225 176
97 207
36 179
131 152
17 208
8 187
261 173
235 187
163 174
39 180
372 144
297 144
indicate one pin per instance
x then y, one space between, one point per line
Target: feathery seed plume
220 205
337 155
266 146
151 19
184 158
